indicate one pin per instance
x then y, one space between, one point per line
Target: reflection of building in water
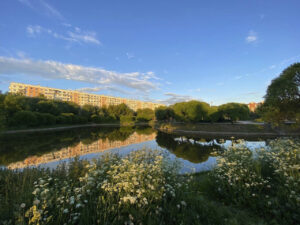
81 149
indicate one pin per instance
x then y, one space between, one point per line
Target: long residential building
78 97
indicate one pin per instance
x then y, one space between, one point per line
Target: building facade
77 97
253 105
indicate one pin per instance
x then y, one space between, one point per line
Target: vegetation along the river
145 187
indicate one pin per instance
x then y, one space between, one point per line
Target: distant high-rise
78 97
253 105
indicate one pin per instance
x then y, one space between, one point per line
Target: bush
127 119
45 118
24 118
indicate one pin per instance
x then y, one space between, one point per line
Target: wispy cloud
75 35
252 37
129 55
106 88
195 90
238 77
43 7
56 70
87 37
173 98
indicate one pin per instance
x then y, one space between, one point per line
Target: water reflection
19 151
50 148
195 150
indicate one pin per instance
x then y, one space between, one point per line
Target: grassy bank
223 129
146 188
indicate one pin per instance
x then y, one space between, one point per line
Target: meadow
246 186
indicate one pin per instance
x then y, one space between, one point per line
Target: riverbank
223 130
65 127
146 188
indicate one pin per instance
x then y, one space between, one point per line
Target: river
49 149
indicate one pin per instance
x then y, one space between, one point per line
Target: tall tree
283 94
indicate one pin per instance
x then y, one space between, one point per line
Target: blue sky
167 51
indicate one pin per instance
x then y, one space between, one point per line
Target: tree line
196 111
21 111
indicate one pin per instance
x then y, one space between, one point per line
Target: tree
24 118
164 113
2 112
45 106
192 111
283 95
145 115
234 111
117 111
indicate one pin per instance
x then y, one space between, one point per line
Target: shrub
24 118
127 119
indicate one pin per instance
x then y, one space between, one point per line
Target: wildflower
269 203
23 205
36 202
78 205
65 211
178 206
183 203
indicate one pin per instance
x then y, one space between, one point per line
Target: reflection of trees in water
18 147
186 148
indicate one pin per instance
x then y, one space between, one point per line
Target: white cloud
107 88
252 37
174 98
272 67
77 36
238 77
129 55
43 7
57 70
21 54
87 37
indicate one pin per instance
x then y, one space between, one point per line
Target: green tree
283 95
2 112
145 115
234 111
192 111
117 111
164 113
24 119
46 106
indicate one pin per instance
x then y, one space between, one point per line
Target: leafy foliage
282 101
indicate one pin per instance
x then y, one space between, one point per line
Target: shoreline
224 133
32 130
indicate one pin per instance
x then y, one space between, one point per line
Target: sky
162 51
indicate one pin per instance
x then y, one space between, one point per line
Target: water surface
48 149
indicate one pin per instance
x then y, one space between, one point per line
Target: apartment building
78 97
